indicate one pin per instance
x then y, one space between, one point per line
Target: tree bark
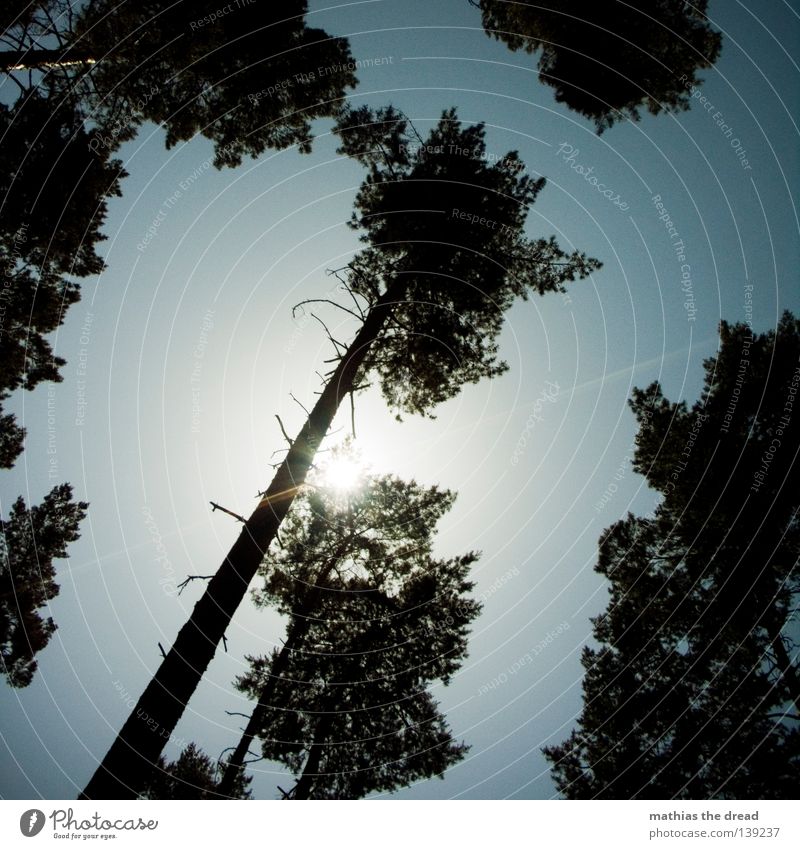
235 763
305 786
787 669
39 58
126 766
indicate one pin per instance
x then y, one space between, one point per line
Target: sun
343 472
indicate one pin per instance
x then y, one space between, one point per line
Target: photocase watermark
679 248
222 12
305 77
569 156
167 580
719 119
80 371
527 658
777 437
198 353
65 825
548 395
121 125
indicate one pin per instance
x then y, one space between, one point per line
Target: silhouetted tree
249 77
29 542
442 275
192 776
373 619
54 185
693 692
607 59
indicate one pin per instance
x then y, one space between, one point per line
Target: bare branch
335 342
215 506
283 431
189 578
302 407
326 301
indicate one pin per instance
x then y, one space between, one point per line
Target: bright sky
181 354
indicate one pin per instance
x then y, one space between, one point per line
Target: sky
181 353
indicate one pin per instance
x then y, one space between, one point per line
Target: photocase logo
31 822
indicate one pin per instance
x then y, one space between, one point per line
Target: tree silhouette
30 540
693 692
434 279
191 776
54 184
607 59
373 619
249 77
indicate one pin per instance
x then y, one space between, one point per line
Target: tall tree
54 186
373 619
30 539
607 59
436 292
693 692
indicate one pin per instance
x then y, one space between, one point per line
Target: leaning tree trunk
126 766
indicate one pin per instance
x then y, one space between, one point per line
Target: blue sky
200 316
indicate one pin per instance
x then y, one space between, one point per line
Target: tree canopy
374 619
444 228
192 776
29 542
249 77
693 692
54 186
608 59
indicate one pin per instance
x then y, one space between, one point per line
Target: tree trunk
125 768
41 58
235 763
305 786
786 668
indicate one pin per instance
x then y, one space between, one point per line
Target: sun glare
343 473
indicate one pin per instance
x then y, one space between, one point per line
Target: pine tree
29 542
444 275
373 620
608 59
693 692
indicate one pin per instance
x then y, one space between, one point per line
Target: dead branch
283 431
189 578
325 301
215 506
302 407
